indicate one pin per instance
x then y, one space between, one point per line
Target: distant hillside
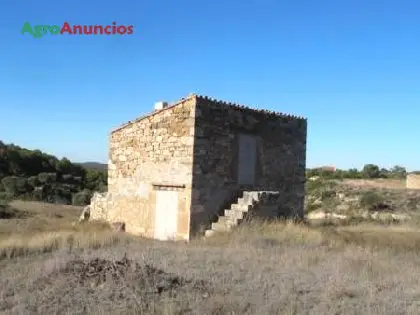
36 175
94 166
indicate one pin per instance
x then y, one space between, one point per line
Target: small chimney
161 105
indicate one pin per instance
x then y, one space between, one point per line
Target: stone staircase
251 203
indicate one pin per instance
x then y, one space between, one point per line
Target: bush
10 184
8 212
47 178
320 188
62 195
61 200
328 194
38 194
5 197
33 181
373 201
67 178
81 198
313 187
4 211
22 185
312 207
78 179
102 187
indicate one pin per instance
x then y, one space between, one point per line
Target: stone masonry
146 154
413 181
281 157
192 147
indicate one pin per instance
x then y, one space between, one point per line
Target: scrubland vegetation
35 175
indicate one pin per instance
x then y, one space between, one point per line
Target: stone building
202 164
413 181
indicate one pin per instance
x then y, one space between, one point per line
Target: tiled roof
213 100
239 106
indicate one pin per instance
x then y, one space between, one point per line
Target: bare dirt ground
377 183
261 268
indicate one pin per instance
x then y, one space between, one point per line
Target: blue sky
351 67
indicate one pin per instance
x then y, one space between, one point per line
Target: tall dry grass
404 237
46 242
46 228
259 268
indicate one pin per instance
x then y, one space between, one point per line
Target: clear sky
351 67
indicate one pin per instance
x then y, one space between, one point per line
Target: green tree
370 171
398 171
353 173
384 173
34 174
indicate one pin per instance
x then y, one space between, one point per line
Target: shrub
316 184
78 179
67 178
4 209
81 198
47 178
328 194
5 197
62 195
38 194
102 187
8 212
373 201
10 184
22 185
33 181
320 188
312 207
60 199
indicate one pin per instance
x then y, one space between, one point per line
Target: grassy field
50 266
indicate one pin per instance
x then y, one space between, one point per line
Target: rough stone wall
154 151
281 157
99 206
413 181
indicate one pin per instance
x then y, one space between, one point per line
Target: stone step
209 233
221 226
252 195
235 214
228 221
242 201
249 197
240 207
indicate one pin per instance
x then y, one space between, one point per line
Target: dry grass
377 183
44 228
261 268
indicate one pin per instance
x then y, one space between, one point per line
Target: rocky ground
365 200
